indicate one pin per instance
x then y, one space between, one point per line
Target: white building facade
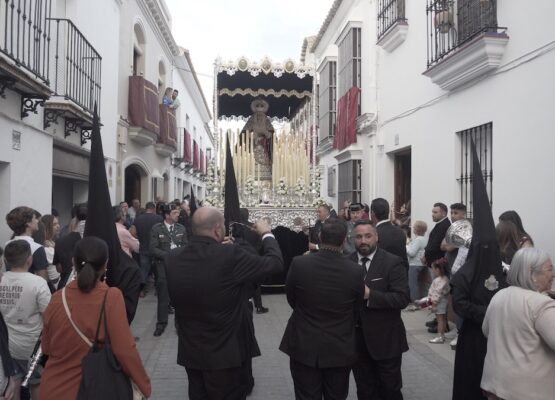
50 85
437 74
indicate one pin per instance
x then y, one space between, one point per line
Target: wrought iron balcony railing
389 13
25 35
76 65
452 23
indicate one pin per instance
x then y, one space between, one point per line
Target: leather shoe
159 330
261 310
431 323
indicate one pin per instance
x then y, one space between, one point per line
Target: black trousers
377 379
219 384
313 383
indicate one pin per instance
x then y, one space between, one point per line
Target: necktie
171 230
364 263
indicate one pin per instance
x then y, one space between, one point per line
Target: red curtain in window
187 153
346 122
201 161
196 163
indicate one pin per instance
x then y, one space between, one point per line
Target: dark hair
458 206
18 218
168 208
176 91
48 221
150 205
512 216
81 211
117 212
55 213
324 205
90 255
121 202
333 232
39 235
380 208
442 206
363 222
16 253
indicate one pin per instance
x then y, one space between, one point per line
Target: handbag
101 375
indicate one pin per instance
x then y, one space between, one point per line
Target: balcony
464 41
167 141
144 111
76 79
24 51
392 24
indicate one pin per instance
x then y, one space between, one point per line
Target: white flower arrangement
282 187
300 189
249 185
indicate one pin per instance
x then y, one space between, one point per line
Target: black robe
471 297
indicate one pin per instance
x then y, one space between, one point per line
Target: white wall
519 102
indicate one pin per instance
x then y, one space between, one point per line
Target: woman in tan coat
520 327
61 342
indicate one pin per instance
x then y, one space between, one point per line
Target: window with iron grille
452 23
327 101
349 63
349 182
482 137
389 13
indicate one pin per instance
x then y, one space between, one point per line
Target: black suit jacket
392 239
206 282
433 249
325 291
380 318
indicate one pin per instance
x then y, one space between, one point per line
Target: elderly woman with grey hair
520 327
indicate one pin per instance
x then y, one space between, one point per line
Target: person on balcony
175 103
167 99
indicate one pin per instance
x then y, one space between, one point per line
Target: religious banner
187 151
196 161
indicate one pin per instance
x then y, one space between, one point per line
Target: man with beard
381 334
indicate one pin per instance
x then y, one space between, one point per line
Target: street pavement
427 368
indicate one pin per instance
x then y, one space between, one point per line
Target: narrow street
427 368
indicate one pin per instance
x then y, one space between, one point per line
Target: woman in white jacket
520 327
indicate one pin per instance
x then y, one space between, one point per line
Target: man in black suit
391 238
381 333
325 291
433 250
206 281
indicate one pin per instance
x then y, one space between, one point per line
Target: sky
234 28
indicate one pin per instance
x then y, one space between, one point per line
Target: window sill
473 60
324 146
394 37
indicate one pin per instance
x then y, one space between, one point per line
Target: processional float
273 142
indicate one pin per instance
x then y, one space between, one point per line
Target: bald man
207 280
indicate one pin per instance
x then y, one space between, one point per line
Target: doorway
402 190
132 183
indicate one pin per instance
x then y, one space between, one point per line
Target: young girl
438 298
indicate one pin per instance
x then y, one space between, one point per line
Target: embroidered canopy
284 86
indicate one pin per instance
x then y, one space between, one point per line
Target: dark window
482 136
389 13
349 182
452 23
327 100
349 63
